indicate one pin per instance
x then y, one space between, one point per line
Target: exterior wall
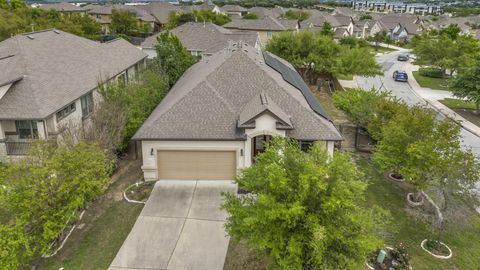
150 161
150 52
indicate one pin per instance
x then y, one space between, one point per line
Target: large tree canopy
319 54
446 49
303 210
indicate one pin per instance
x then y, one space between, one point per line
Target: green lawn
101 242
432 83
463 237
465 108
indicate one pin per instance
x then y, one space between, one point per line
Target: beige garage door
193 165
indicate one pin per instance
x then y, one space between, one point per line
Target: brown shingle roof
265 24
206 102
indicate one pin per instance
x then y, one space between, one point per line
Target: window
27 129
87 104
305 145
65 111
269 34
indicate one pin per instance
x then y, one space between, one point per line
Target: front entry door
259 144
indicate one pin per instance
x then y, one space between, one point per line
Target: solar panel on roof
293 78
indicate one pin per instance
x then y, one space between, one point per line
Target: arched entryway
259 144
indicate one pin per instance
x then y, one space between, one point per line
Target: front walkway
180 227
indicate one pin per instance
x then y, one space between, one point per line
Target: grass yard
382 49
465 108
462 237
107 222
432 83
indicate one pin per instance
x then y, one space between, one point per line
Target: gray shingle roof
63 7
205 37
258 105
56 68
264 24
232 8
207 101
160 10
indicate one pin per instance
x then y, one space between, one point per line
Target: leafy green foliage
41 194
366 17
299 15
466 84
369 109
172 57
354 42
303 210
123 22
319 54
446 49
327 30
431 72
177 19
138 97
381 37
20 20
250 16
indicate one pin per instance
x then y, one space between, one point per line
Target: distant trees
303 210
314 54
467 84
298 15
445 49
123 22
269 3
177 19
16 18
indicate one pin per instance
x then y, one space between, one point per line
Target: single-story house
202 39
266 27
64 8
49 80
218 116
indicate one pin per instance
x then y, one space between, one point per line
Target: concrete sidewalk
180 227
432 97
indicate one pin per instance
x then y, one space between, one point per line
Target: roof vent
30 37
56 32
263 99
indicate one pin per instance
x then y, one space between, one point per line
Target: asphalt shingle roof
205 37
56 68
263 24
160 10
206 102
63 7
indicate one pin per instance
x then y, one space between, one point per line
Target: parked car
400 76
403 57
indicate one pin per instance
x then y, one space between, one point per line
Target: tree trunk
417 195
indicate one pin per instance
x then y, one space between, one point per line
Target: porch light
241 152
151 152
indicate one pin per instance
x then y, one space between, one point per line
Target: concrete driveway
180 227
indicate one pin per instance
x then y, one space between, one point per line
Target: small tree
250 16
172 57
123 22
327 30
378 38
466 84
303 210
298 15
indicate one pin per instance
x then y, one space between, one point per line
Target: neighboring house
337 21
398 26
204 6
231 10
265 27
64 8
160 11
203 39
218 117
48 81
103 14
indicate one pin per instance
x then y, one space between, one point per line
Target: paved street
406 93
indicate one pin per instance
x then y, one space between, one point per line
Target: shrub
431 72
